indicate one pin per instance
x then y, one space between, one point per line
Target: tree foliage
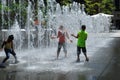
99 6
14 9
93 6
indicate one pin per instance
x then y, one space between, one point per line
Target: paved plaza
41 64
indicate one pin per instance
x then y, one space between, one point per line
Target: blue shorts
7 51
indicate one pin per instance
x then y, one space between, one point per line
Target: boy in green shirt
81 43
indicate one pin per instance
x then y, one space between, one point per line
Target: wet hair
83 27
61 27
11 37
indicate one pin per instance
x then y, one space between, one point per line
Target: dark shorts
81 48
60 45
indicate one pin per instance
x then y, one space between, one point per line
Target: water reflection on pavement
101 65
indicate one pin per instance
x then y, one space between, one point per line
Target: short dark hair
61 26
83 27
11 37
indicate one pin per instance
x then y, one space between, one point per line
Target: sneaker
16 61
87 59
78 60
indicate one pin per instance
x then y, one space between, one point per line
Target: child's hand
72 34
71 41
53 37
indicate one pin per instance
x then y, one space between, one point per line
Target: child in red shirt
62 34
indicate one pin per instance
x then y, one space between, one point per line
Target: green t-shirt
82 36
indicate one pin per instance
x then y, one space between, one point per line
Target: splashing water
39 49
35 49
71 16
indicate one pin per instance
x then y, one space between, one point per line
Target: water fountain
72 17
35 47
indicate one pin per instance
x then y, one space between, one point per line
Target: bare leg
58 54
65 54
87 59
78 53
65 49
78 57
59 49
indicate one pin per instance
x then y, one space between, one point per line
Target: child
62 34
81 43
8 48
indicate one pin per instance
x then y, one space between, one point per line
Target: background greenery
96 6
12 10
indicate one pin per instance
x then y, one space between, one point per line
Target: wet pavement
112 69
103 65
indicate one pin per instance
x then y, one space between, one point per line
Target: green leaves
99 6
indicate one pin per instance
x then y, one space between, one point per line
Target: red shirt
61 36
